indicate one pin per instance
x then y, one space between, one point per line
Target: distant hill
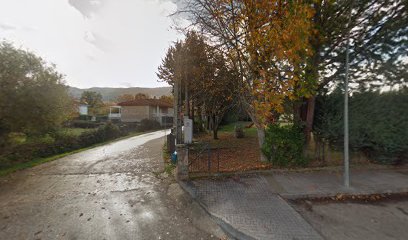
110 94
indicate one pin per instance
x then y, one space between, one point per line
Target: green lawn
229 128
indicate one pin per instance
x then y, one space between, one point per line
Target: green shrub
65 143
16 138
85 124
284 145
108 131
103 133
378 123
148 124
57 143
127 128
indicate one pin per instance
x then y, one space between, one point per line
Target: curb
299 170
226 227
305 196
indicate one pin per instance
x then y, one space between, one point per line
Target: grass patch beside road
168 166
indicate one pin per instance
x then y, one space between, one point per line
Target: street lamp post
346 117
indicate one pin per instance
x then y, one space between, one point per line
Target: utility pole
177 120
346 117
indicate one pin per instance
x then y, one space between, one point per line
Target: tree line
277 56
204 78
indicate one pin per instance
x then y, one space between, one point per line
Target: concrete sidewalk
328 183
247 209
254 206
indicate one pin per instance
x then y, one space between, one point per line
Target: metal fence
203 159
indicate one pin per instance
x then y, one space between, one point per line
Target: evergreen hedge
284 145
378 123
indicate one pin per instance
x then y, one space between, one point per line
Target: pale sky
103 43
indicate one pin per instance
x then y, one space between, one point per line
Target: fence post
182 161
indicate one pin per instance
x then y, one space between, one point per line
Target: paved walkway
254 206
328 183
247 206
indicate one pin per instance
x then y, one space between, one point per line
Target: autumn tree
184 63
141 96
125 98
33 97
203 75
216 93
93 100
267 44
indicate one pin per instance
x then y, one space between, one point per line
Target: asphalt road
384 220
109 192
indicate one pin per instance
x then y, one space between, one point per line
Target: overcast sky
104 43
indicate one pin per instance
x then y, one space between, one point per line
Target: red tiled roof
146 102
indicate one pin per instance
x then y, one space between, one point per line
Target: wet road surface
383 220
109 192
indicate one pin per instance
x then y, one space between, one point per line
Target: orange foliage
278 43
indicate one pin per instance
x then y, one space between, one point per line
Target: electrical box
188 130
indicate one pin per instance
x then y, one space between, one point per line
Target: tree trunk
260 129
297 109
200 119
261 140
215 127
187 102
311 102
177 109
215 133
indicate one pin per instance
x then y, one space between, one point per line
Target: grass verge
38 161
168 166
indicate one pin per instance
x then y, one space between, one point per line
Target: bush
41 147
85 124
147 125
58 143
378 123
16 138
108 131
126 128
284 145
65 143
103 133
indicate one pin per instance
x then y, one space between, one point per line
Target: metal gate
203 159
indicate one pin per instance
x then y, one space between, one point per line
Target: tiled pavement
329 183
249 206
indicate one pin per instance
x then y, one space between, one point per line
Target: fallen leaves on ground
356 198
228 154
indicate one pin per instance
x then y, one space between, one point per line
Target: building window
165 110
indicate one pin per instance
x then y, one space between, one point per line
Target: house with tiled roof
138 109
